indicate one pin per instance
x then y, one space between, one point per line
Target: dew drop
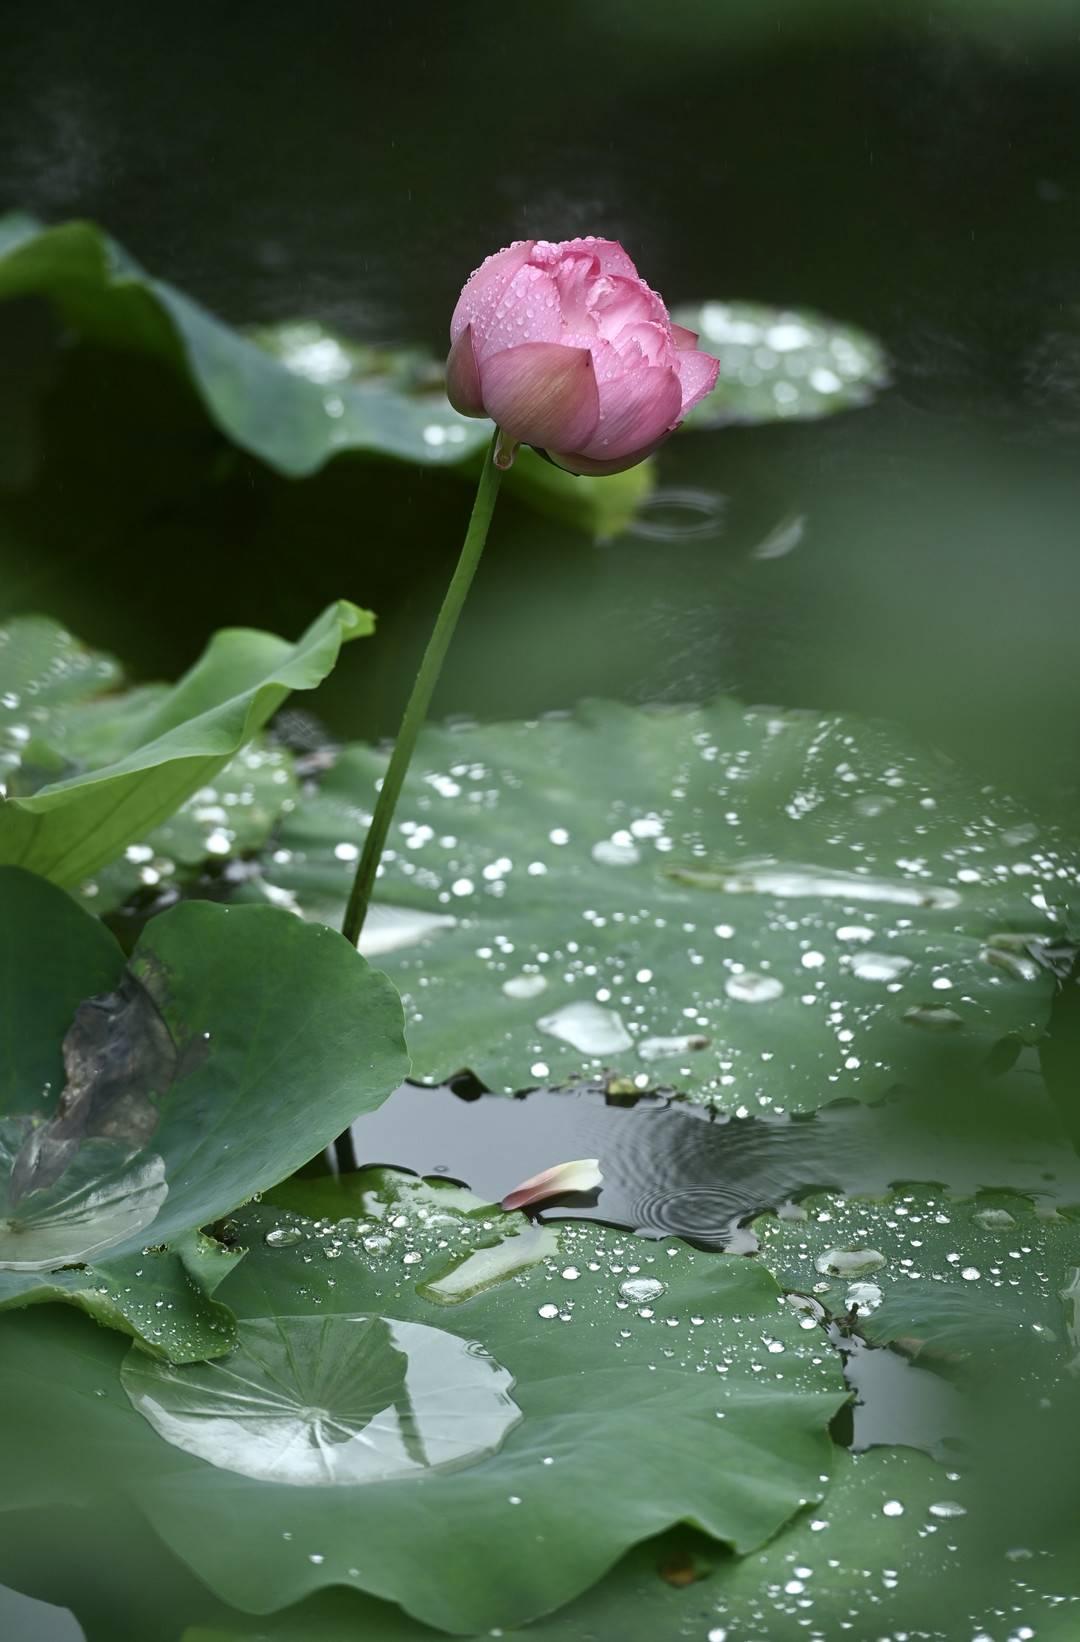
849 1262
640 1290
587 1027
525 986
994 1217
863 1296
752 987
609 853
879 966
659 1048
932 1017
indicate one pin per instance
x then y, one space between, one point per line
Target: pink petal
580 1176
542 393
608 252
652 341
528 310
697 374
636 410
574 277
482 291
587 466
463 376
605 356
682 337
620 302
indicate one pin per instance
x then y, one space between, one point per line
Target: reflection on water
898 1403
330 1400
672 1169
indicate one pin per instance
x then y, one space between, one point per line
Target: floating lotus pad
781 365
768 910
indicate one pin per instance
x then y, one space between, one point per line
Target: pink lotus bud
580 1176
567 349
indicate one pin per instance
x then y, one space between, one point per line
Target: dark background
911 169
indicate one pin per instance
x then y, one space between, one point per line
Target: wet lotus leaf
230 818
61 712
69 1558
95 1194
52 958
334 1616
899 1545
123 774
293 395
949 1278
653 1383
43 669
233 1046
161 1296
770 910
119 1061
781 364
852 1566
846 1567
487 1245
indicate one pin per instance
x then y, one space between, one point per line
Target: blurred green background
914 170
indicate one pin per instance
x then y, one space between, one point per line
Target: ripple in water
672 515
672 1169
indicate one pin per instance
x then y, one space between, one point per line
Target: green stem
419 701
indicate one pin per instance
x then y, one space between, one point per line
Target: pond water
911 173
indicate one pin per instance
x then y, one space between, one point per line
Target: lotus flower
567 349
580 1176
